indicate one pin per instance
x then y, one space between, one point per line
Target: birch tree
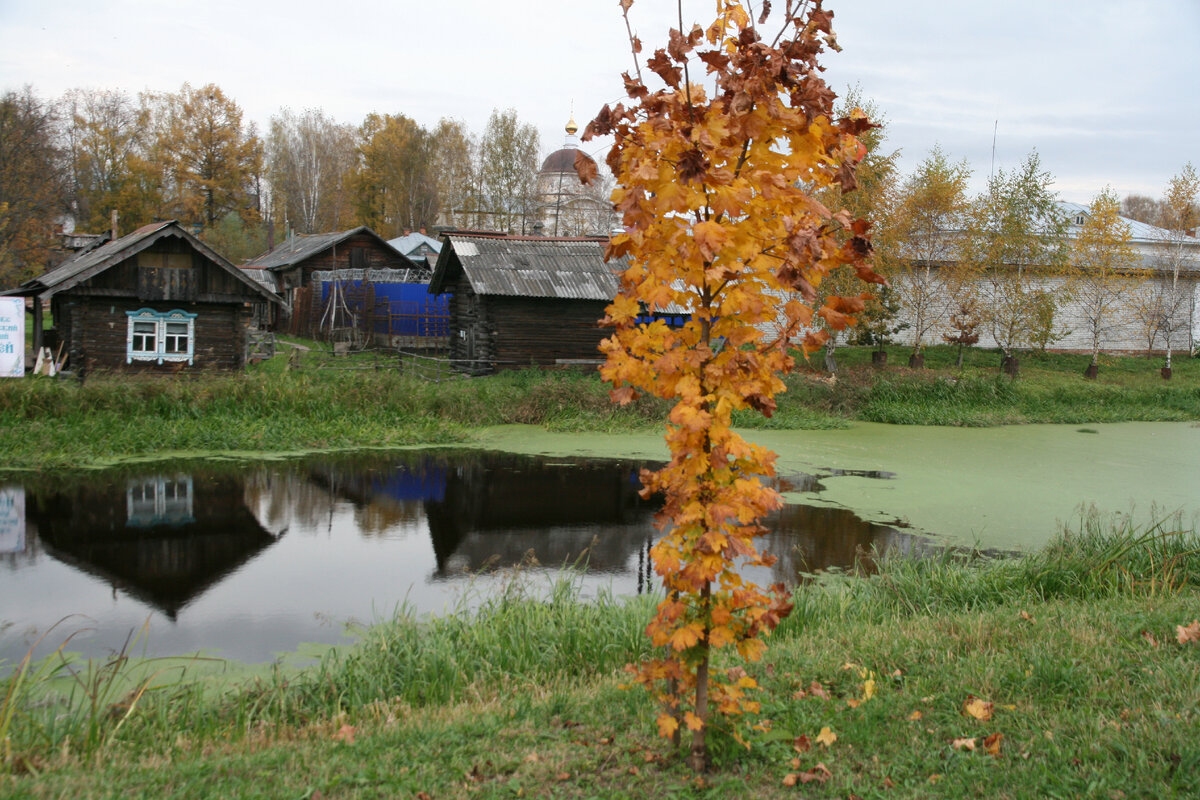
507 172
310 158
1102 276
925 225
1015 239
1175 257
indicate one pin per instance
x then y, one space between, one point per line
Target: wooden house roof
296 249
528 266
90 263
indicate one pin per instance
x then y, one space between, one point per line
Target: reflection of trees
283 499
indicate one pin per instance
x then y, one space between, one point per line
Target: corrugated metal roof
297 248
571 269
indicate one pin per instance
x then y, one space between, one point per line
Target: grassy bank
55 423
1074 648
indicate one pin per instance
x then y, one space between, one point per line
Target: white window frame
166 331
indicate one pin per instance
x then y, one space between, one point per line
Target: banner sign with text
12 337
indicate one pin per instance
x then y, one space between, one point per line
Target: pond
247 561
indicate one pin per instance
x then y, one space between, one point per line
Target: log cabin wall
97 328
544 331
168 275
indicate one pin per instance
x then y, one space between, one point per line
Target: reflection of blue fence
424 482
394 309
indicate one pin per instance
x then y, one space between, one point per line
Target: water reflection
163 539
250 560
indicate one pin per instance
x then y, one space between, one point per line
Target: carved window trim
172 338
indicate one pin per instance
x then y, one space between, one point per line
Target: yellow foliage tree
1101 276
717 172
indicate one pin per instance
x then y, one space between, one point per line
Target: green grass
375 400
1074 646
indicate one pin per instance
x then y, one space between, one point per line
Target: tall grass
529 641
1103 557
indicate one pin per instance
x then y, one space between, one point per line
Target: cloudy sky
1105 90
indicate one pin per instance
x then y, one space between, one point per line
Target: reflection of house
489 516
518 301
357 255
159 500
155 300
162 538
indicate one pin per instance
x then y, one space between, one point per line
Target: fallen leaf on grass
1188 633
1025 615
634 771
852 703
977 708
345 734
826 737
935 777
801 744
963 744
817 690
532 758
914 716
991 744
1149 637
820 773
562 776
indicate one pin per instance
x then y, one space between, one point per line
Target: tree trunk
1166 373
830 362
698 758
958 362
879 358
1011 366
916 361
1092 370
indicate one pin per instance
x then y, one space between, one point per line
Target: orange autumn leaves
716 172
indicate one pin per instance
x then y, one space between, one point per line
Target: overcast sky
1105 90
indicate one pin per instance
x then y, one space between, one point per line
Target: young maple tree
716 172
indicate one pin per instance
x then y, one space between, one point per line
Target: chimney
114 224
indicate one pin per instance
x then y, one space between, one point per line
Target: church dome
563 159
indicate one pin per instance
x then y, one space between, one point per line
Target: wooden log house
291 266
520 301
157 300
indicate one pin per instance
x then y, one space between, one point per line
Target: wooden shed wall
543 331
94 330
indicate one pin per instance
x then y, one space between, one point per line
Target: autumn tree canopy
33 190
717 169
